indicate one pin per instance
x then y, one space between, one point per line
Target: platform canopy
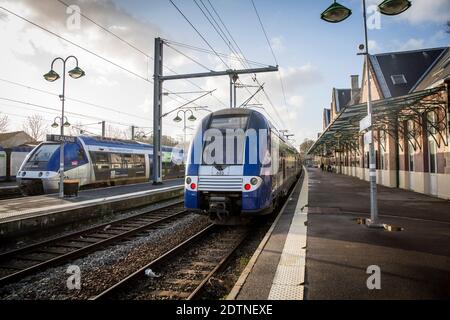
345 128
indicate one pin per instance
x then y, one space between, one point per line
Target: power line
148 56
84 49
198 32
72 99
188 57
203 50
271 50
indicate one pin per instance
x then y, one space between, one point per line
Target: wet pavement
414 263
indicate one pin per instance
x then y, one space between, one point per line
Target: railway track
18 263
182 272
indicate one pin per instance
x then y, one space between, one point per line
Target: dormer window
398 79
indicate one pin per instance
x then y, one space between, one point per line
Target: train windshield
223 123
226 148
43 153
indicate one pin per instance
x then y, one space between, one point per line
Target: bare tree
4 121
76 129
35 126
115 133
304 147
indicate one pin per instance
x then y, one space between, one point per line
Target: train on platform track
94 161
11 159
238 166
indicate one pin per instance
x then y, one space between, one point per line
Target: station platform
9 189
24 215
341 255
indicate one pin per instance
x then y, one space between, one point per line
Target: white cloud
277 44
437 11
374 47
411 44
296 101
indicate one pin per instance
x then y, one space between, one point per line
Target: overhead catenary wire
271 50
76 114
199 33
128 43
71 99
85 49
242 60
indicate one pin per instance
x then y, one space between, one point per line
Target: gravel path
104 268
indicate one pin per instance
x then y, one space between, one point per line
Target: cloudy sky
314 56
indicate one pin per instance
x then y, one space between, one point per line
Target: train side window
116 161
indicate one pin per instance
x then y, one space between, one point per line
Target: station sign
60 138
365 123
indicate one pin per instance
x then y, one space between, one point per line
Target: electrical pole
159 78
132 132
103 129
157 110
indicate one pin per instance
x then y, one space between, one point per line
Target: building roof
326 117
345 128
398 73
437 73
343 97
14 139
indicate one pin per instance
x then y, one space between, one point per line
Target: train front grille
219 183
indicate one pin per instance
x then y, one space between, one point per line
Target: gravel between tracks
104 268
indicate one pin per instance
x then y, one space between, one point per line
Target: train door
2 165
102 166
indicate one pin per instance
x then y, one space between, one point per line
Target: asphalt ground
413 263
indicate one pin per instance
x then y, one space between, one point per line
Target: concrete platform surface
413 263
11 208
24 215
276 270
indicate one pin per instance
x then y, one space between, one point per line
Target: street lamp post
52 76
178 119
337 13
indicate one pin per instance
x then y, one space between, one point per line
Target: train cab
235 168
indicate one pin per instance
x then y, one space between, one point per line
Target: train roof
118 143
247 112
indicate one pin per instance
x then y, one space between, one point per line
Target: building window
432 147
383 150
410 146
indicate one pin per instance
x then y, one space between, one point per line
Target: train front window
225 140
43 153
223 123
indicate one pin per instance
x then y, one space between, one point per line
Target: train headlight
23 174
188 180
40 174
254 181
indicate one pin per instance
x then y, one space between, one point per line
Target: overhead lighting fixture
336 13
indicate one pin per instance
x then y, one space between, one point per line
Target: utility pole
132 132
103 129
159 78
157 110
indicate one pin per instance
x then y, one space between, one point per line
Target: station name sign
365 123
60 138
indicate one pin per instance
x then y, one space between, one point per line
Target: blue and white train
238 177
94 161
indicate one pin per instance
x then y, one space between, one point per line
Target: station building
410 107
